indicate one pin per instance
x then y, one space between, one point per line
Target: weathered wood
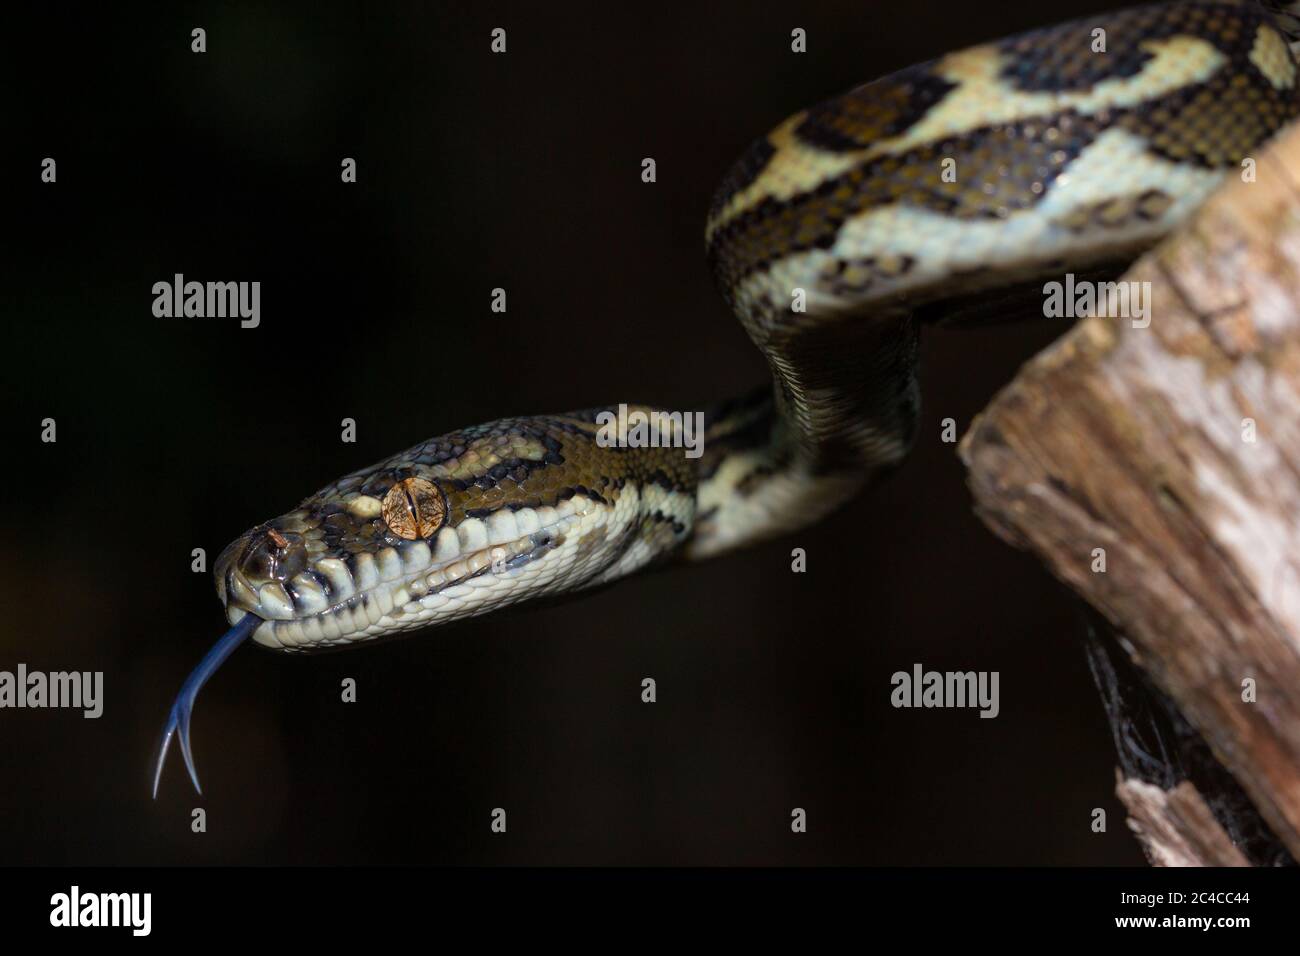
1176 827
1176 449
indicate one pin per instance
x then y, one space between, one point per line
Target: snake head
457 527
460 526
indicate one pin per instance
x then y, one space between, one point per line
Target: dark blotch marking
875 111
1011 167
1061 58
751 164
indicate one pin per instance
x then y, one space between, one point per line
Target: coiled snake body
921 195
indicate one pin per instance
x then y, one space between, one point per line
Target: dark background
476 171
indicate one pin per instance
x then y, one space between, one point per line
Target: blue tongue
178 721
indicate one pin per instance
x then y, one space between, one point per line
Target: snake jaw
178 719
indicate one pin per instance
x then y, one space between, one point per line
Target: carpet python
931 194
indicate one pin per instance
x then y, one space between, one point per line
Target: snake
943 193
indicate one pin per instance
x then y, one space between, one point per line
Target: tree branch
1175 450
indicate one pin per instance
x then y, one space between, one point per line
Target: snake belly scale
912 198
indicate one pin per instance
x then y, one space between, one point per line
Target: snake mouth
339 600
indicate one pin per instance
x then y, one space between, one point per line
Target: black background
476 171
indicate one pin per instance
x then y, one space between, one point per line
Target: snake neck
841 412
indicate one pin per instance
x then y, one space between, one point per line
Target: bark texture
1176 827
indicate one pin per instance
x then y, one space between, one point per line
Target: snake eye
413 509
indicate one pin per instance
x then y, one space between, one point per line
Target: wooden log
1169 455
1176 827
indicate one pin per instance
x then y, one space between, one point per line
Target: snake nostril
265 555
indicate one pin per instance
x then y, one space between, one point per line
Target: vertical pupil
412 509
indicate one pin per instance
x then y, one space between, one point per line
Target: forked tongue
178 721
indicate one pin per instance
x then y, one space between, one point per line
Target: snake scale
931 194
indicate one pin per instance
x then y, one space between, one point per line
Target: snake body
931 193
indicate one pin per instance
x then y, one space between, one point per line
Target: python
1064 159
